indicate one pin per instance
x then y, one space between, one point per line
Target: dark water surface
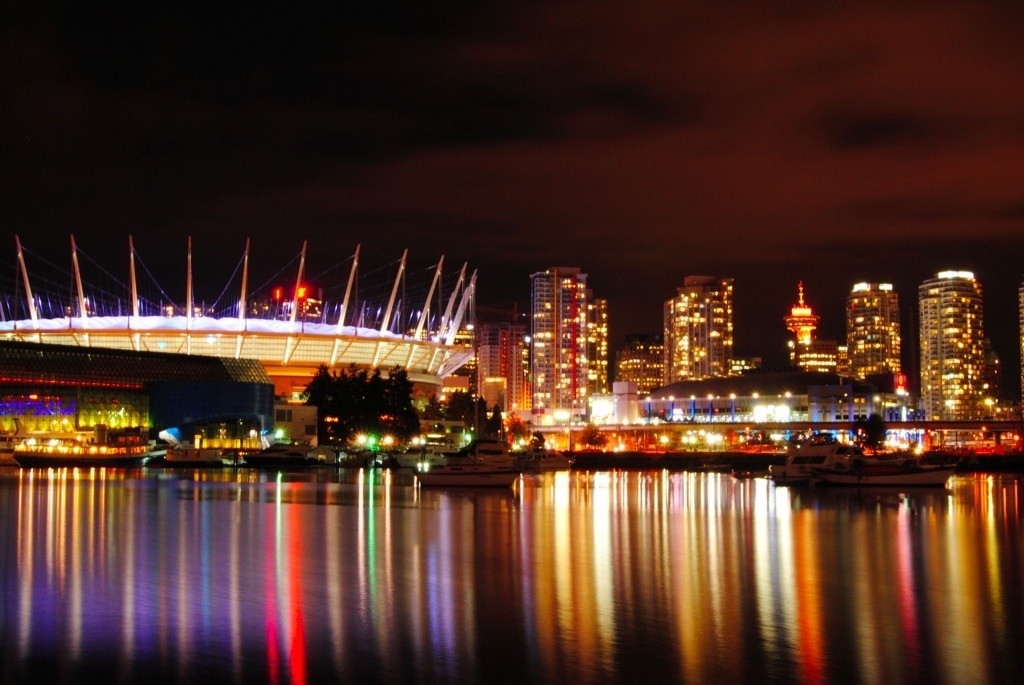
180 576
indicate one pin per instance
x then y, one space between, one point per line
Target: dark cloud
880 130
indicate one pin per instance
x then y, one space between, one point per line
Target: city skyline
642 143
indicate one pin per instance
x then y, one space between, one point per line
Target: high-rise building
873 330
1020 306
558 365
699 329
806 351
597 345
952 346
641 361
501 374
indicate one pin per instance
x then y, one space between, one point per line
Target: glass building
952 346
873 330
698 329
558 365
57 389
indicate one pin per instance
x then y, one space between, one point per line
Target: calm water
159 576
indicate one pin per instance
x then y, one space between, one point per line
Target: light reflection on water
359 575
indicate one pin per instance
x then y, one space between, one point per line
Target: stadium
293 323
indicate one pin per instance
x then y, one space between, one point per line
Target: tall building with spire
806 351
558 364
698 329
873 339
952 346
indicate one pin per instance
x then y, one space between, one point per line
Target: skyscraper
500 368
952 344
597 345
558 364
1020 307
699 329
873 330
641 361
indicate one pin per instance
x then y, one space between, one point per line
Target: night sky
773 143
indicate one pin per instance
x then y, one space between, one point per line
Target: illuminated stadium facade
407 325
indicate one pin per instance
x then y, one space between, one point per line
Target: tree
870 433
433 410
591 436
517 429
460 407
357 401
493 426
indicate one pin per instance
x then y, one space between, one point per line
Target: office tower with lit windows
501 373
558 364
952 346
1020 307
806 351
641 361
597 345
698 329
873 330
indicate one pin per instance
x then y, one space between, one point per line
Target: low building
54 389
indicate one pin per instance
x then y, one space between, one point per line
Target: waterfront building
597 344
292 329
641 362
952 346
558 366
500 351
873 340
698 329
61 389
806 351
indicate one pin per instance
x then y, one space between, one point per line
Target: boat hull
277 462
201 456
468 476
924 476
32 460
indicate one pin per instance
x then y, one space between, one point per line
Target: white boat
40 452
545 460
283 455
97 447
184 454
818 451
420 459
883 470
484 451
468 475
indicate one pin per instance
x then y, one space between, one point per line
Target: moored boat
59 452
544 460
484 451
188 455
283 455
883 471
468 475
419 459
818 451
